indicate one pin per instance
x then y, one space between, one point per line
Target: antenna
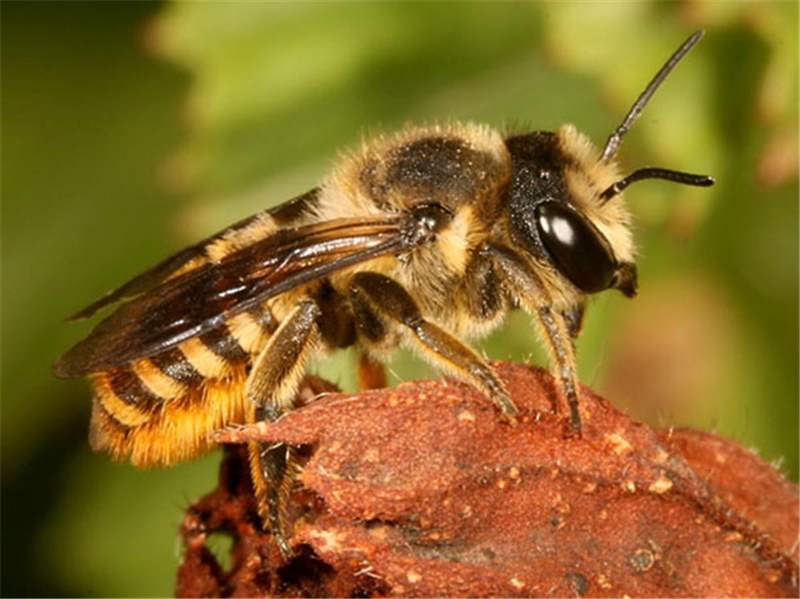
615 139
656 173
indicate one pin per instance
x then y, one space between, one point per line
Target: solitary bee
422 238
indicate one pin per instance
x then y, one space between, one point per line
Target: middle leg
378 300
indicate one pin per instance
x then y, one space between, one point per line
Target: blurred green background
131 129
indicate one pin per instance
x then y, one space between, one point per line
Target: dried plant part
425 490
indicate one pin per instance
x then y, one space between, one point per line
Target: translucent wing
201 299
167 267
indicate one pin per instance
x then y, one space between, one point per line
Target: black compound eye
578 249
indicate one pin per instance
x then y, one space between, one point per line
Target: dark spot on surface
348 470
263 579
578 582
305 566
642 560
371 587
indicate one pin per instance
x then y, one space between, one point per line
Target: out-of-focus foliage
238 106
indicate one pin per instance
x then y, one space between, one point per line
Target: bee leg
562 352
272 385
573 317
371 374
377 298
560 329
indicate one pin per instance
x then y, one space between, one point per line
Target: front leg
272 385
573 317
562 352
377 299
558 328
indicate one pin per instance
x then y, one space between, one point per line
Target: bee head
564 202
552 217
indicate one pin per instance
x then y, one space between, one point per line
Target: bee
424 239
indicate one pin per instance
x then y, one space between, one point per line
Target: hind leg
272 385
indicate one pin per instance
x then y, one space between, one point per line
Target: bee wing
169 266
204 298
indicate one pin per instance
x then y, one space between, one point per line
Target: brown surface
425 490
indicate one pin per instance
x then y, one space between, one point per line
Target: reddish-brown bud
425 490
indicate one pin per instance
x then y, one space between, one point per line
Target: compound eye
577 248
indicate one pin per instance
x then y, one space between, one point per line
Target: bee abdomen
162 410
123 394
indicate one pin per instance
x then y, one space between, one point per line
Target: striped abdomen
161 410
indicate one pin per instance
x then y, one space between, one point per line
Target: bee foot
241 433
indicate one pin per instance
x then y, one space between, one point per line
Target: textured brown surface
425 490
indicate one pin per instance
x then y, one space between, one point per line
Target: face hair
615 139
656 173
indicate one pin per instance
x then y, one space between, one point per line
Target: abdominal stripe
222 343
128 387
173 363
